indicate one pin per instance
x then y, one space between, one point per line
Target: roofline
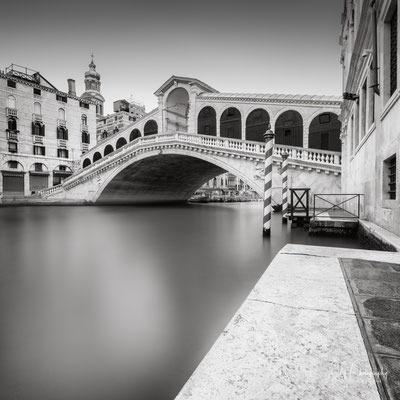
184 79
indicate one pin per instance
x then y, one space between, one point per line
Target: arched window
256 125
120 142
150 128
231 123
37 129
61 114
12 124
96 156
85 137
84 119
37 108
134 135
11 103
207 122
289 129
324 132
109 149
86 162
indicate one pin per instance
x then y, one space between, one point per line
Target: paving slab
295 337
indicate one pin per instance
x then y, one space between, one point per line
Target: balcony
11 112
62 143
37 117
12 135
85 147
38 139
62 122
84 128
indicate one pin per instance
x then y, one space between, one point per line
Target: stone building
371 108
43 131
125 113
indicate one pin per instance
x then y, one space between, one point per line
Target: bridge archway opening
108 150
159 178
97 156
324 133
207 122
256 125
121 142
150 128
86 162
177 110
231 123
134 135
289 129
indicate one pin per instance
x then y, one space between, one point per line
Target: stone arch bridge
170 167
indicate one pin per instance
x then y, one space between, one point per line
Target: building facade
43 131
371 109
125 114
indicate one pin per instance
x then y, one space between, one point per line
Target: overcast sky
252 46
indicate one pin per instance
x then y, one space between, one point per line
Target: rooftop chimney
71 87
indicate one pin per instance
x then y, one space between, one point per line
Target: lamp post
269 145
285 156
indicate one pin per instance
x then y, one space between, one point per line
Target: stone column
269 144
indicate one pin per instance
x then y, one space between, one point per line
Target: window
62 133
59 97
83 105
37 129
37 91
390 172
84 119
324 118
61 114
11 84
85 137
13 164
363 109
62 153
393 52
11 103
12 124
38 167
39 150
12 147
62 168
37 108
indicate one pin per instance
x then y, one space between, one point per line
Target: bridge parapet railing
307 154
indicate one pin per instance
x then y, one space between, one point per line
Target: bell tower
92 88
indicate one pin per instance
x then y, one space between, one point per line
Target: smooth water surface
115 303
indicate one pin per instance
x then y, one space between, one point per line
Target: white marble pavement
295 337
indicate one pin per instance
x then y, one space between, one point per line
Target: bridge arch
86 162
97 156
135 133
324 132
177 168
257 124
231 123
289 129
108 150
121 142
150 128
207 121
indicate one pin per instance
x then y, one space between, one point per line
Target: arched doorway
256 125
324 132
207 122
177 111
231 123
134 135
150 128
289 129
120 142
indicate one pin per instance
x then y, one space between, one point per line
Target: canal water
121 303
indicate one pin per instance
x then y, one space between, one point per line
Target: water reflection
123 302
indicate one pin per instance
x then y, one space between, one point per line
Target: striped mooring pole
269 147
284 173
